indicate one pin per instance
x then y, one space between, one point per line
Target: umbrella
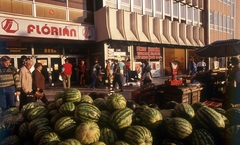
221 48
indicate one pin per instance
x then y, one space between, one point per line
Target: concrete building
49 31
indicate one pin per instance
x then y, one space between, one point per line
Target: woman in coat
39 82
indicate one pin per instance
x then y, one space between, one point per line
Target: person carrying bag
146 73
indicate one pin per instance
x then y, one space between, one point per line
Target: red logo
10 25
87 32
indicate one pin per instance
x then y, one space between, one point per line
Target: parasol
221 48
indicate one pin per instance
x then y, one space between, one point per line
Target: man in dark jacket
117 76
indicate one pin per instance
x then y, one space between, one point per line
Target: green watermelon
121 142
184 110
50 138
233 115
232 135
100 103
116 101
121 118
35 124
87 112
72 95
150 118
12 111
59 95
37 112
171 142
197 106
138 135
108 136
99 143
86 99
51 105
87 132
67 109
58 103
55 118
103 121
23 130
179 128
41 132
65 126
70 142
202 136
11 140
26 108
51 113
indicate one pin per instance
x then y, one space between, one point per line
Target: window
137 6
232 9
224 23
125 1
216 20
148 4
167 7
211 19
137 3
220 20
158 8
232 22
190 12
201 17
228 24
183 11
196 16
125 4
175 9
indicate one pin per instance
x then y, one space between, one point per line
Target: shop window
175 54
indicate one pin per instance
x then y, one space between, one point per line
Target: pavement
127 90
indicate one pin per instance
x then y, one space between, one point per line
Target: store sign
147 53
15 50
31 28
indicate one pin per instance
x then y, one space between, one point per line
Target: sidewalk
52 90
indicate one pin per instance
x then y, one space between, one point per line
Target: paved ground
51 90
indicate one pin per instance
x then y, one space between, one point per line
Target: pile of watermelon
98 119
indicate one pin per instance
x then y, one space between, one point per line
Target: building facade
158 30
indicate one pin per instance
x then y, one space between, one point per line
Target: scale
174 69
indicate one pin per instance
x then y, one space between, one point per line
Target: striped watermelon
210 119
35 124
232 135
87 112
99 143
121 142
150 118
202 137
72 95
138 135
51 105
220 110
86 99
67 109
58 103
26 108
59 95
41 132
179 128
50 138
116 101
197 106
87 132
65 126
11 140
184 110
171 142
103 121
23 130
37 112
70 142
51 113
100 103
55 118
121 118
108 136
12 111
233 115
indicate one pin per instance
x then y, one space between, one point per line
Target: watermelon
59 95
202 136
87 112
108 136
87 132
86 99
11 140
72 95
210 119
150 118
99 143
23 130
65 126
51 113
121 142
232 135
51 105
70 142
121 118
179 128
35 124
100 103
233 115
67 109
103 121
171 142
55 118
37 112
26 108
41 132
197 106
50 138
58 103
12 111
220 110
184 110
116 101
137 135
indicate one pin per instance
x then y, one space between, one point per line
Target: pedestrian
107 73
192 67
201 65
98 73
82 69
146 73
26 84
66 74
9 84
39 83
93 73
127 71
122 67
117 76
